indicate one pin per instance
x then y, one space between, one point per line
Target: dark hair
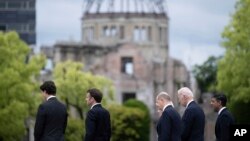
49 87
96 94
222 98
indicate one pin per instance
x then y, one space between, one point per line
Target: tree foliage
144 131
74 130
205 74
240 110
72 83
17 86
126 122
233 70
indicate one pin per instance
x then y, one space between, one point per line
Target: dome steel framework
125 6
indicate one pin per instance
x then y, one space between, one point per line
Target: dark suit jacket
97 124
51 121
223 122
193 122
169 125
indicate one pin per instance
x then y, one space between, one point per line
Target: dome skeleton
124 6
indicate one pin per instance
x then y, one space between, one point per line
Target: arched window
106 31
113 31
136 34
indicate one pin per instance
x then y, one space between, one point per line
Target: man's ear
219 102
185 96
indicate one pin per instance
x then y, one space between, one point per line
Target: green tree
205 74
233 70
72 83
74 130
144 131
17 86
125 122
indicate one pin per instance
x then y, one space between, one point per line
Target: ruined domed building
127 41
134 35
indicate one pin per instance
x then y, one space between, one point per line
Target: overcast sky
194 32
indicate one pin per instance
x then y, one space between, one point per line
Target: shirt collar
169 104
221 110
94 105
189 103
50 97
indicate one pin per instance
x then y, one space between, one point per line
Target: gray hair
164 95
185 91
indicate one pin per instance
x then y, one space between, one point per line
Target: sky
195 26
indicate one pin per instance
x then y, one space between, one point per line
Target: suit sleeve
90 126
40 121
187 121
165 127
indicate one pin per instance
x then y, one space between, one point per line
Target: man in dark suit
51 118
169 124
224 120
97 123
193 119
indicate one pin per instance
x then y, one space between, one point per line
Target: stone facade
132 49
